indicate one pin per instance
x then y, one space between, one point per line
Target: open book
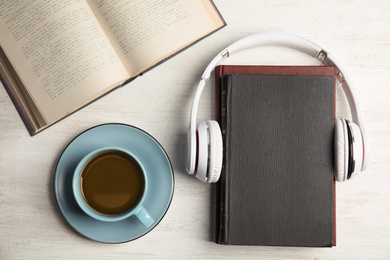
58 56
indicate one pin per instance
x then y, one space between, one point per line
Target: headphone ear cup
341 150
215 149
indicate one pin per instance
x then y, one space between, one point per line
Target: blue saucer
155 162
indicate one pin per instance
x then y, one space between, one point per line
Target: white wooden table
357 32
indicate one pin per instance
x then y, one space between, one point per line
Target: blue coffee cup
103 163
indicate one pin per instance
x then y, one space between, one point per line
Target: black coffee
112 183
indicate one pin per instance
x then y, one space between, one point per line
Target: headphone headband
282 40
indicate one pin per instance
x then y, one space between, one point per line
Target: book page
60 53
145 32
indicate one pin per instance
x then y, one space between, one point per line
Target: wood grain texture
357 32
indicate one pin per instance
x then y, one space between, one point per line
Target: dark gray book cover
277 180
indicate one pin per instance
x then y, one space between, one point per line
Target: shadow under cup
110 184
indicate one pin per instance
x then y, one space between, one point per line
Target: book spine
223 237
217 197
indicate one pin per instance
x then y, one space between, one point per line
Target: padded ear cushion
202 152
215 150
341 150
357 142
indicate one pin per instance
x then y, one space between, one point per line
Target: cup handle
143 215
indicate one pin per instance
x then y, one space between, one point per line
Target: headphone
204 145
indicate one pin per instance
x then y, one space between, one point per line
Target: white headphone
204 146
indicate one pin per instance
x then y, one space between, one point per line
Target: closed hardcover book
277 185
